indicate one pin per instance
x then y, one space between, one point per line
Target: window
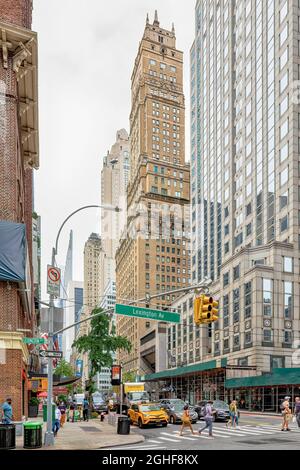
225 279
236 305
225 311
248 299
248 337
152 62
277 362
162 66
288 299
242 361
287 264
226 344
236 272
284 176
267 336
284 224
267 297
284 152
288 337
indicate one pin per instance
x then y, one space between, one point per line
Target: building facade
19 155
153 255
71 315
245 198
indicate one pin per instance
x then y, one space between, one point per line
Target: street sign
55 354
53 280
138 312
34 340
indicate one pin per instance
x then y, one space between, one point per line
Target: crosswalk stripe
168 439
153 442
191 438
259 431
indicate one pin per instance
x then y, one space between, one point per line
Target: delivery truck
135 392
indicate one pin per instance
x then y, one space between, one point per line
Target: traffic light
205 309
214 309
197 313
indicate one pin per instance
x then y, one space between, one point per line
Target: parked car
220 408
175 408
147 413
98 403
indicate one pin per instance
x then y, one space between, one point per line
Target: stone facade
151 259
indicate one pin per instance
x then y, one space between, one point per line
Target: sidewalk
91 435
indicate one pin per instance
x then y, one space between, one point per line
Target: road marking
257 431
167 439
191 438
154 442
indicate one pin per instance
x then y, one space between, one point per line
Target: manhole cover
90 429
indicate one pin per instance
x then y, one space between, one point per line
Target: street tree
101 342
64 369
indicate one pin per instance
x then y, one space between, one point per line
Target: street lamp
49 436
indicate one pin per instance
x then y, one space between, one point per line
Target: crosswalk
166 438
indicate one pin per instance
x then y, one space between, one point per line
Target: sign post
34 340
53 354
138 312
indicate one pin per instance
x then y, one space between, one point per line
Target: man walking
56 424
208 416
7 414
297 410
85 410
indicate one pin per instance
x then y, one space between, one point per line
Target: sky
86 56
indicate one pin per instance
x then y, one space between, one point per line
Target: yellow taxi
147 413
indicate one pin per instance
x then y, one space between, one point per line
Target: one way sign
55 354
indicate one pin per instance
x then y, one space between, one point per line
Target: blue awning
13 251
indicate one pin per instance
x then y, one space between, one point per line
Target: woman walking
234 414
286 415
186 420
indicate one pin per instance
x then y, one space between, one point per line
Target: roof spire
173 28
147 18
156 22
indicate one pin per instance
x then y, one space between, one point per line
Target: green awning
166 374
288 376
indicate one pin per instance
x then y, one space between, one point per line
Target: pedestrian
6 412
234 414
286 414
56 424
208 416
186 420
85 407
126 404
63 410
297 410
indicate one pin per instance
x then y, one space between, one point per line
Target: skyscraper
245 176
153 255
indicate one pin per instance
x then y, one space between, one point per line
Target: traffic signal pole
49 436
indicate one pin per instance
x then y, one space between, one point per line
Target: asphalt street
254 432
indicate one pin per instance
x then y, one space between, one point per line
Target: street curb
138 441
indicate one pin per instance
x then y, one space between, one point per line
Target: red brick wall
15 204
11 382
18 12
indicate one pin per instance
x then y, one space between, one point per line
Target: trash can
45 413
32 435
7 436
123 425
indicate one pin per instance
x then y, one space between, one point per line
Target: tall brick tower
18 158
153 256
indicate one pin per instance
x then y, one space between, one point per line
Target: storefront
265 392
210 381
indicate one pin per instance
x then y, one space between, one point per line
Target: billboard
79 367
116 375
